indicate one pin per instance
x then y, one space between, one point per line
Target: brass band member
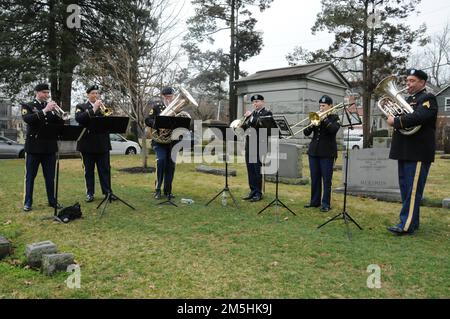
94 147
254 167
322 153
36 115
165 165
415 152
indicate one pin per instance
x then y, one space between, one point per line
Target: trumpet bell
107 111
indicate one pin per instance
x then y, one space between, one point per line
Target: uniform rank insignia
24 111
426 104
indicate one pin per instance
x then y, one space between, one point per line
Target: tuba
392 103
175 108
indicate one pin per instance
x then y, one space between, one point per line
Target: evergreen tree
371 42
212 16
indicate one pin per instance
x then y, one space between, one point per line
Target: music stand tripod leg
267 206
169 201
124 202
330 220
105 200
232 197
287 207
352 220
217 195
55 209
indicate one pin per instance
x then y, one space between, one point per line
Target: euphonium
175 108
392 103
237 123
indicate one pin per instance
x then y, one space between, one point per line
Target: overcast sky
287 23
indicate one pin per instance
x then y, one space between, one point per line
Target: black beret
326 100
167 91
418 73
41 87
92 88
257 97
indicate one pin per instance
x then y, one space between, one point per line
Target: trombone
316 118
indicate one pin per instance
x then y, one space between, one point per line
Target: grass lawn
195 251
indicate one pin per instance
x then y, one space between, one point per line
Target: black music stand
269 123
171 123
226 188
106 125
348 120
59 132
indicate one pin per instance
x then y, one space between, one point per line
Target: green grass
221 252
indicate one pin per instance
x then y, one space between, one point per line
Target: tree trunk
52 50
144 154
231 93
69 60
366 80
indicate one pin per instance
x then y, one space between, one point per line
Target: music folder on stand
226 189
348 120
279 125
59 132
171 123
109 124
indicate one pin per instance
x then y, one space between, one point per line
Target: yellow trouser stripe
413 196
25 179
84 169
54 178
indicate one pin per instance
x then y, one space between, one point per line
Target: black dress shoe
398 231
27 208
249 196
157 195
89 198
58 205
113 197
325 209
310 205
256 198
170 196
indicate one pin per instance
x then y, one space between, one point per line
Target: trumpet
105 110
60 112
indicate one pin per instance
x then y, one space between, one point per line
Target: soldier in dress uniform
253 161
322 154
415 152
162 144
36 115
94 147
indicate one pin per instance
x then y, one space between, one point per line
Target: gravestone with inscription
290 165
372 174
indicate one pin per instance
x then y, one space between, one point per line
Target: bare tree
132 73
435 57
